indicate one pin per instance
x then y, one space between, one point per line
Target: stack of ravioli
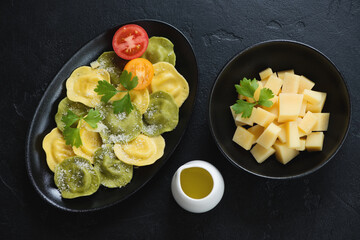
120 141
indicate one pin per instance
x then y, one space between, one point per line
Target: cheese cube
302 145
256 94
305 83
292 134
308 123
291 83
317 108
262 117
282 73
269 136
257 130
282 134
289 106
314 141
265 73
303 108
239 120
313 97
283 153
260 153
322 121
233 113
94 64
243 137
274 84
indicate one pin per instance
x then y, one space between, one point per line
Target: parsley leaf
243 107
247 88
127 82
93 117
106 89
265 95
72 136
123 105
70 118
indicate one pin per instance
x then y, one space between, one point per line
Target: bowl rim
279 41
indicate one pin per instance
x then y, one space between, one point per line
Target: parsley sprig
107 90
72 134
247 88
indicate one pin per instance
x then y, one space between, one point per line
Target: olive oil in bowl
196 182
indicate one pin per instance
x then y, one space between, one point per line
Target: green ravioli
161 116
119 128
160 49
76 177
65 105
113 64
113 172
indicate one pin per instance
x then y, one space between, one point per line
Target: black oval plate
43 179
280 55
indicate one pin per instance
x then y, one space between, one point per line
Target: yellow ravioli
81 84
56 149
91 141
168 79
141 151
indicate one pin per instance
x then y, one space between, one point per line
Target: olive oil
196 182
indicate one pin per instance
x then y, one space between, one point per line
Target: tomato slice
130 41
143 69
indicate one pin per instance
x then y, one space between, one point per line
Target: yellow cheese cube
322 121
256 94
269 136
239 120
233 113
289 106
291 83
243 137
274 84
265 73
283 153
314 141
305 83
282 134
260 153
317 108
292 134
257 130
313 97
303 108
308 123
282 73
302 145
262 117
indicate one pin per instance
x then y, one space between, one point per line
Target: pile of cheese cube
292 124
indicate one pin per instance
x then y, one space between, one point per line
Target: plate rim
51 85
245 50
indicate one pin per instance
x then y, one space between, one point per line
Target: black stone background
38 37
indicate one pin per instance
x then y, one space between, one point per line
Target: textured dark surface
38 37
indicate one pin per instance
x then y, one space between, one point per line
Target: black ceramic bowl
40 175
280 55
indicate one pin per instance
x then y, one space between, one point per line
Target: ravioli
167 79
55 148
141 151
65 105
160 49
81 84
76 177
162 114
113 64
140 98
121 127
91 141
113 172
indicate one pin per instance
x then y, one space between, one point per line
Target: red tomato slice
130 41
